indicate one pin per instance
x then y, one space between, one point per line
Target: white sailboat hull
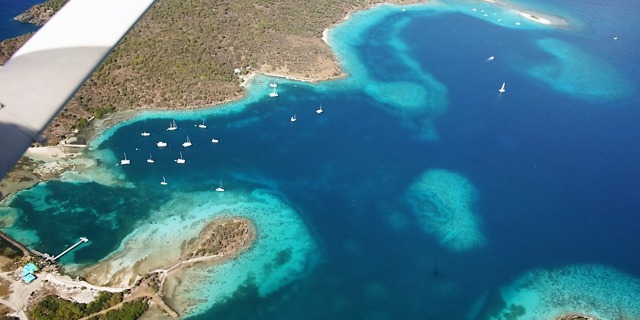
503 88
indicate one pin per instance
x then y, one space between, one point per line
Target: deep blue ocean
554 163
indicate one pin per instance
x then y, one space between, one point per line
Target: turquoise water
419 193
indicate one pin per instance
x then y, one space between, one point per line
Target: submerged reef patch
576 72
407 91
405 95
598 291
441 200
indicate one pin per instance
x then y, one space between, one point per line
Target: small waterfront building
29 278
27 272
30 267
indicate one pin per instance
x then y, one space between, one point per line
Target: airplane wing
44 74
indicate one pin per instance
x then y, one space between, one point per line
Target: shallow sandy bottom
160 242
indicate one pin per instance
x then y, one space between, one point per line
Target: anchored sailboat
294 119
274 93
181 160
220 188
125 161
150 160
319 111
187 143
502 89
163 182
172 126
161 144
202 125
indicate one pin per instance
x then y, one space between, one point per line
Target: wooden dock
82 240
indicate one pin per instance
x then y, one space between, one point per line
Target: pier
28 252
82 240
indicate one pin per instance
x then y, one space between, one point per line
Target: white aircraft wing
45 73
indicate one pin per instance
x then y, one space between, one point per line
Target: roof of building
30 267
28 278
25 272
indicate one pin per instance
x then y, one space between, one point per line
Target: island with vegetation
220 240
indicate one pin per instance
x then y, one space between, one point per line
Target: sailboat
145 134
187 143
214 140
202 125
293 119
125 161
220 188
172 126
181 160
164 181
150 160
502 89
161 144
274 93
319 111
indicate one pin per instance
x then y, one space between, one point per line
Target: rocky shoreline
38 15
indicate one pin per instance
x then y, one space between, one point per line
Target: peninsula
53 295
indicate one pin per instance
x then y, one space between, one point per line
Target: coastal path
165 272
25 251
72 283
